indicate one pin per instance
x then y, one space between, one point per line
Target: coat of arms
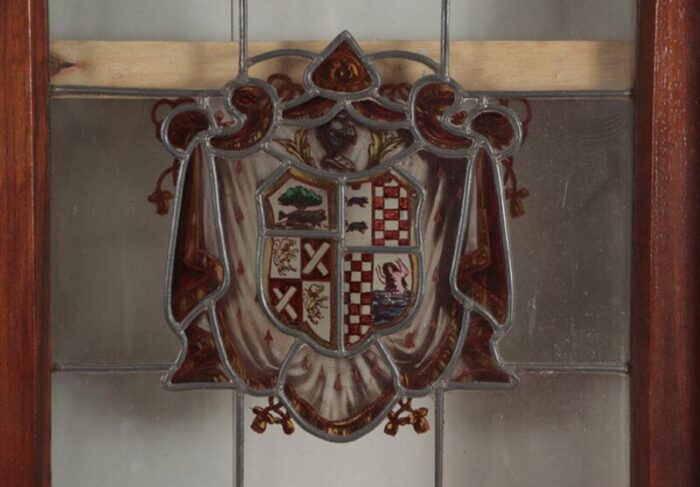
340 244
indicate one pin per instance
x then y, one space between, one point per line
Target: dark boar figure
360 201
356 227
303 218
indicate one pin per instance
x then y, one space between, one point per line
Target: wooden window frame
665 367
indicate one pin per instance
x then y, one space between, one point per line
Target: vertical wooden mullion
24 245
666 296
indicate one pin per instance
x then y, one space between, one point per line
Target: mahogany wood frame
666 363
24 245
666 300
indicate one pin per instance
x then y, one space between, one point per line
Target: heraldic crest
339 244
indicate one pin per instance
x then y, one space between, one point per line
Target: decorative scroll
338 244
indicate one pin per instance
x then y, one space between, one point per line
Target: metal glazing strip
78 90
243 39
116 368
439 433
445 40
340 267
520 367
239 412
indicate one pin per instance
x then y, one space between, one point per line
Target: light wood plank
476 65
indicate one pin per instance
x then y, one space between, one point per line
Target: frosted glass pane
116 430
323 19
185 20
571 249
378 460
420 19
108 245
563 430
544 19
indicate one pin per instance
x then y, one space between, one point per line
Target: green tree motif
299 197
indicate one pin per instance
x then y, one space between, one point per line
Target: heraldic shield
339 243
341 259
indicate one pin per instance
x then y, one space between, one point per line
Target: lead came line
239 439
527 368
243 37
445 40
66 91
439 434
340 266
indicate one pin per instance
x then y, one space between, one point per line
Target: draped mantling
401 186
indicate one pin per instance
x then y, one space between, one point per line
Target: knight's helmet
339 236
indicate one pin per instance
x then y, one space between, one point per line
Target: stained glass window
340 244
353 237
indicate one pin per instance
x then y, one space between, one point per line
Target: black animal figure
301 198
360 201
303 218
356 227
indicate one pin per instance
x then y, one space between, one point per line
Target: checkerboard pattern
357 296
391 213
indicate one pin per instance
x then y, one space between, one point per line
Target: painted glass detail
338 244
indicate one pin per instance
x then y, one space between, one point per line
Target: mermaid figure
393 277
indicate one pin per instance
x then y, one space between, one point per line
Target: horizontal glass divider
82 91
111 368
541 367
553 94
60 91
614 368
